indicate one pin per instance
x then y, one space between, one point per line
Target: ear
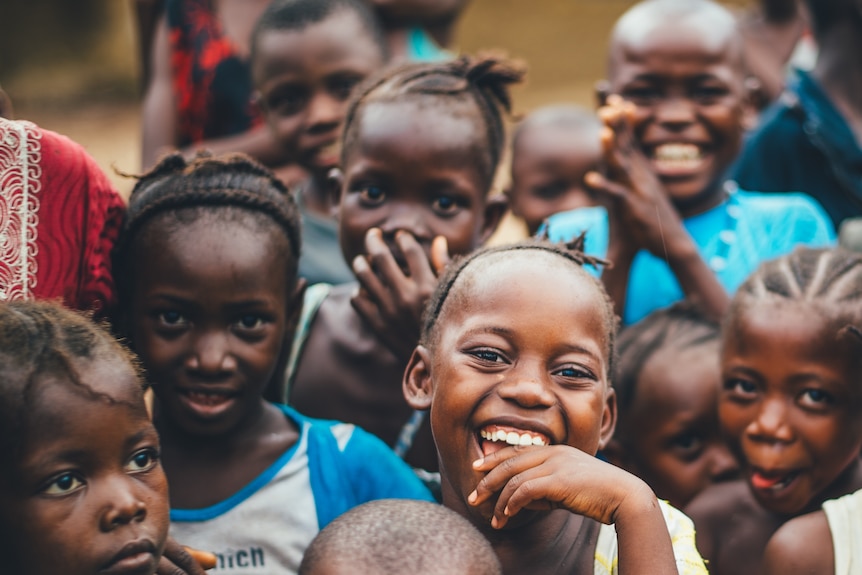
609 418
417 385
334 184
495 208
602 91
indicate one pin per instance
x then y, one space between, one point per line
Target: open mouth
493 438
328 155
677 158
208 402
772 481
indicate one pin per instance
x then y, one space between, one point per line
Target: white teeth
501 435
513 438
538 441
525 439
677 152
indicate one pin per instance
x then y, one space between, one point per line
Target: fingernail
358 263
479 462
472 497
494 522
506 511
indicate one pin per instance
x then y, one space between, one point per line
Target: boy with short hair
674 122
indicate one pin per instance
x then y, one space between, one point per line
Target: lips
772 481
493 438
207 402
678 158
135 557
327 155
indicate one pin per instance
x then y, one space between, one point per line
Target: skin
159 112
405 201
681 77
304 79
90 482
789 407
803 546
670 436
549 162
500 356
206 321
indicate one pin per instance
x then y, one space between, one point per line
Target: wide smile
773 483
207 403
328 155
678 159
493 438
136 557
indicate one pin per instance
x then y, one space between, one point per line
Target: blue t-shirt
266 526
804 144
733 239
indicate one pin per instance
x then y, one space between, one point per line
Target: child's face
687 87
548 169
305 78
790 403
209 315
672 435
414 169
89 495
503 361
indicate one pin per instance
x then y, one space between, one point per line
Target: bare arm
159 111
803 546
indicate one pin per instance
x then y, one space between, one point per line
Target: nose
407 217
212 355
123 504
528 388
723 466
324 113
770 422
675 112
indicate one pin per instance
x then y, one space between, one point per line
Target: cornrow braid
572 252
831 279
39 339
484 80
681 326
207 182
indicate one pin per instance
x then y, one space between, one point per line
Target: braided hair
38 340
480 82
828 279
571 253
178 192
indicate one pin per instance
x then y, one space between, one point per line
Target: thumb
599 183
440 254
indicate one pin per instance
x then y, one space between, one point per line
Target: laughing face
686 82
790 404
305 78
519 357
209 312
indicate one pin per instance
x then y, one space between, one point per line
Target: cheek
733 419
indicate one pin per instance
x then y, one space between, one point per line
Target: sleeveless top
845 522
211 83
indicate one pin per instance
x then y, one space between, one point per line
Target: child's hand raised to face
395 286
557 477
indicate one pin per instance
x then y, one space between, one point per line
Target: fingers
599 183
502 466
440 254
417 260
205 559
177 561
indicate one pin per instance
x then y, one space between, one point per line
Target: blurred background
72 66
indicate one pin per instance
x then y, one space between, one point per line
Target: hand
642 216
390 300
177 561
552 477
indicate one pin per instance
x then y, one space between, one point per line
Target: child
208 258
667 381
392 537
552 151
790 404
81 487
399 194
514 366
306 58
826 542
674 228
811 139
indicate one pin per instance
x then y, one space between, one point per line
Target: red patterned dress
212 84
59 220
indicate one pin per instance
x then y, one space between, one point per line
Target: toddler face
790 403
89 495
548 168
416 169
686 82
305 78
209 316
671 432
520 357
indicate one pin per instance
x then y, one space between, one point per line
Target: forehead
648 40
551 140
680 379
340 39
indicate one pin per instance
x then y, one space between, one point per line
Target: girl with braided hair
421 147
514 365
82 489
790 403
208 293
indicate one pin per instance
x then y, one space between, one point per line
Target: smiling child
674 228
514 366
789 405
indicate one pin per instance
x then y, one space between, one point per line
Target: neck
838 69
848 482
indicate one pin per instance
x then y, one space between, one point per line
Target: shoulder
802 545
712 509
794 217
